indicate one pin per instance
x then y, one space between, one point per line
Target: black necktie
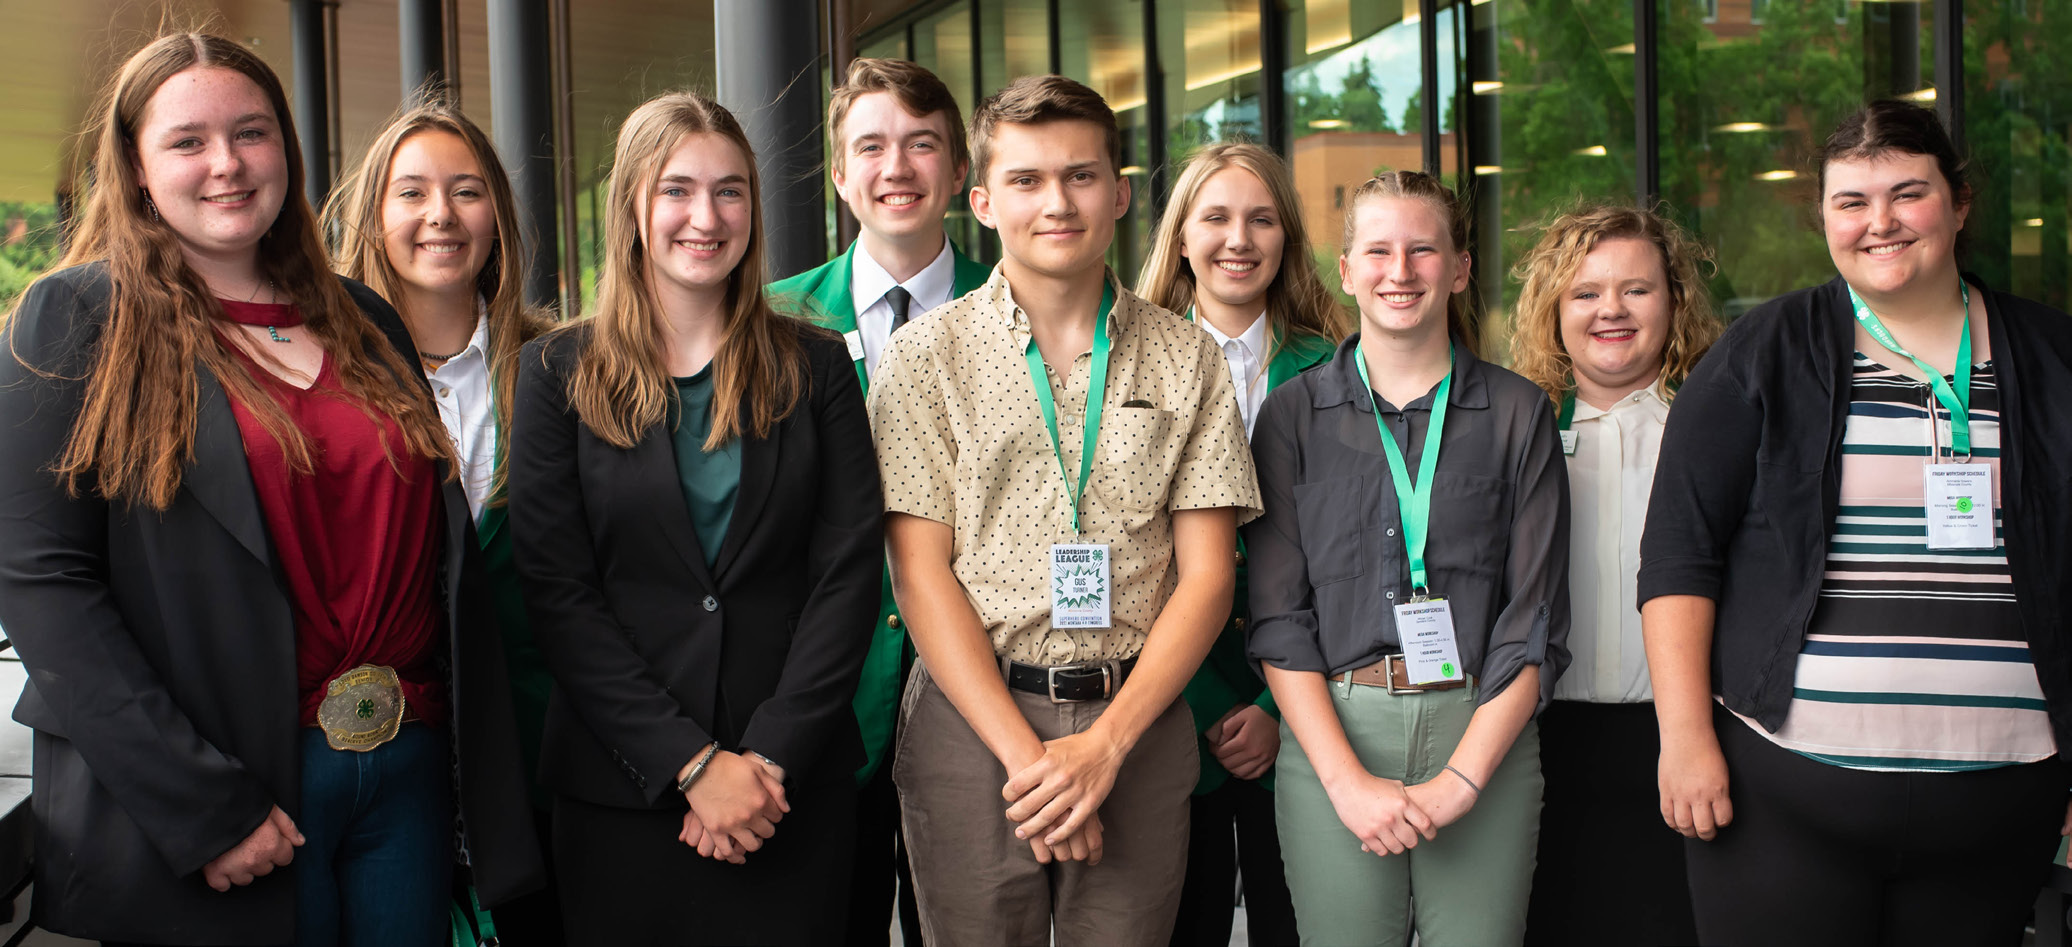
900 300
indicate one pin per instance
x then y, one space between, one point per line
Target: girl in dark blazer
428 221
695 504
221 504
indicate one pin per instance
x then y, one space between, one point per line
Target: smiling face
1232 239
209 154
438 223
1401 266
1615 314
896 173
1053 195
1891 223
698 216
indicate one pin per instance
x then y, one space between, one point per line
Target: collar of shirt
1253 338
1339 382
477 350
931 287
1000 296
1651 399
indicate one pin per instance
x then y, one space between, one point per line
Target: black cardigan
1750 478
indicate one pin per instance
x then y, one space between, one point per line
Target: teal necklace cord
1957 400
1096 392
1413 502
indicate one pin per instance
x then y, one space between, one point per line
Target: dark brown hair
136 426
1461 319
1038 100
916 89
353 222
620 387
1889 125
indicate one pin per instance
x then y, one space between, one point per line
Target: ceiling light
2033 222
1738 127
1593 150
1328 123
1781 175
1132 170
1625 49
1485 170
1488 88
1924 95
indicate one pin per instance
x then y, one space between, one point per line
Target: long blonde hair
136 426
1297 301
1462 321
1537 351
353 222
620 387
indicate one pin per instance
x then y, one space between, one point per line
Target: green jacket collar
1291 354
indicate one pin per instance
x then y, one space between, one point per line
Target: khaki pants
979 885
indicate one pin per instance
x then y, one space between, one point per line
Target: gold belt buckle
362 708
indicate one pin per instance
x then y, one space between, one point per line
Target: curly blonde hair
1536 348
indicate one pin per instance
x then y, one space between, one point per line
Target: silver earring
150 206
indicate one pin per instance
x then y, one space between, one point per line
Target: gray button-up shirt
1327 558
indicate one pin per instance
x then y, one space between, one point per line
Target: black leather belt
1068 683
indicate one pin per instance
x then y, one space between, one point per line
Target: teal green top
710 478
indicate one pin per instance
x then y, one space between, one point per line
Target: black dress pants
880 868
1231 831
1834 857
1610 871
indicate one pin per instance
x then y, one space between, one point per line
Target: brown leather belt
1393 672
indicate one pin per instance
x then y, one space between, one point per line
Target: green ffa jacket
823 295
1226 678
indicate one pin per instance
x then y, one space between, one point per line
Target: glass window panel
1102 44
2016 126
1747 98
1552 98
1210 54
1353 97
942 43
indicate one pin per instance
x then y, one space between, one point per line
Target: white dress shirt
1246 354
1609 478
867 285
461 389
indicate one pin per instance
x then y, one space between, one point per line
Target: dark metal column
1485 150
1949 68
522 115
1154 109
1434 106
1647 105
1055 21
769 72
1273 65
421 43
312 103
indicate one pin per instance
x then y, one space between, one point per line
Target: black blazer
160 648
654 656
1749 482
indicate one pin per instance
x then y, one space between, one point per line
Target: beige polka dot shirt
961 441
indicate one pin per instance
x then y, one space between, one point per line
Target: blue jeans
376 869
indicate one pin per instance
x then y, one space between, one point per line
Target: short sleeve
1216 463
910 425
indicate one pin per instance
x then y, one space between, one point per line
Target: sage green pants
1466 888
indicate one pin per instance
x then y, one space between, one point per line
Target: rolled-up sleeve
1284 618
1532 627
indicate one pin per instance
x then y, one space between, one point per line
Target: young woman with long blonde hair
694 499
232 556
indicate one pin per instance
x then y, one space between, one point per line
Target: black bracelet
1464 778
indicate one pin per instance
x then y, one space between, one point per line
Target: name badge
855 339
1079 586
1430 653
1959 506
1568 443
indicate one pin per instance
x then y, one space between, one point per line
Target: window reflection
2016 53
1101 43
1211 57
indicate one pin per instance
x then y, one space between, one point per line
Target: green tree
28 245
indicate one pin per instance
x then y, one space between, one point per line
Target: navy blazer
160 648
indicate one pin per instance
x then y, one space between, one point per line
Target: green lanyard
1958 401
1096 391
1415 503
1568 409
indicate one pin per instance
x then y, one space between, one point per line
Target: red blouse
357 539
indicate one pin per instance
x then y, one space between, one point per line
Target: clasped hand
271 845
1054 800
735 805
1388 817
1245 741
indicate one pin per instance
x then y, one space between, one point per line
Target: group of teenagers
1045 607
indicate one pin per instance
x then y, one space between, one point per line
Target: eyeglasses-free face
438 222
210 157
1891 223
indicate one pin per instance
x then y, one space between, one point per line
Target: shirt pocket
1136 459
1332 515
1470 527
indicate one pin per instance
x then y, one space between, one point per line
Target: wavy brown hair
1297 301
621 387
353 222
136 426
1463 322
1537 351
